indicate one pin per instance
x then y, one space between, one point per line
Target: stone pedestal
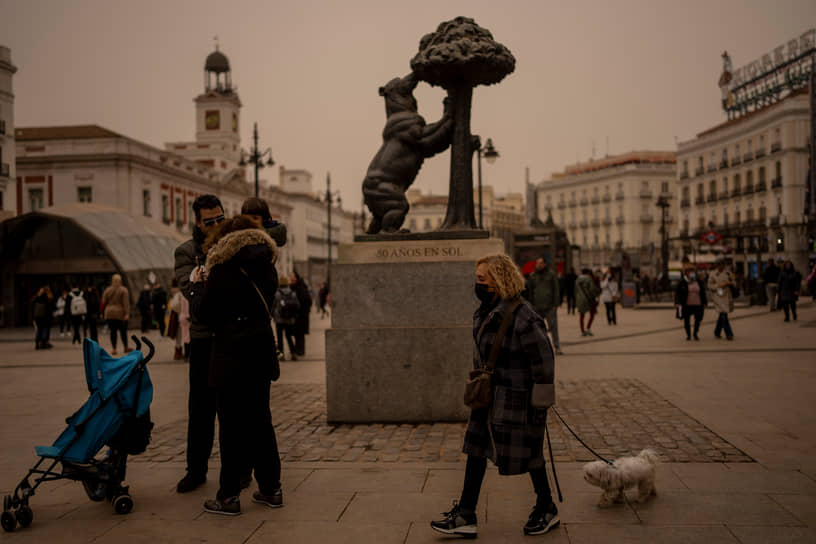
401 341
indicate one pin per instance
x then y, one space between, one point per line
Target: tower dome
217 75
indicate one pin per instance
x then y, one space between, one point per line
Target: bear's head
399 94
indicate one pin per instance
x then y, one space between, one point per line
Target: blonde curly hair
504 273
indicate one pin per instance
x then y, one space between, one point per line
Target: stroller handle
151 349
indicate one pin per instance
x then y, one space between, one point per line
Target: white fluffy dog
626 472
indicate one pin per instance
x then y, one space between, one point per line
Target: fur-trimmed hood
227 247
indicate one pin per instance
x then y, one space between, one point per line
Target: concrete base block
401 342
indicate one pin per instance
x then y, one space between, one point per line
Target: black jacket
790 283
187 257
228 304
144 302
681 293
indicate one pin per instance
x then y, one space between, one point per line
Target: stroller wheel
123 504
8 521
25 516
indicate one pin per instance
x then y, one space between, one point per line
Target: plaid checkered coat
506 432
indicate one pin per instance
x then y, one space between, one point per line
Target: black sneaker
542 520
227 507
275 500
458 521
190 482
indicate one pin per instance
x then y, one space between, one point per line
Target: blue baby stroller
116 415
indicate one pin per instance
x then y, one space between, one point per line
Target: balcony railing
619 195
761 186
583 202
685 203
749 156
606 197
723 164
736 191
735 161
760 152
711 197
776 146
620 220
583 224
712 168
571 224
596 223
645 193
607 221
646 218
4 170
684 175
561 205
723 195
699 200
595 199
776 183
572 203
699 171
748 189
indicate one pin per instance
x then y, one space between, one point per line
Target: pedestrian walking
42 311
544 294
720 286
609 296
771 279
790 283
208 213
286 310
92 317
301 329
510 429
78 308
234 302
60 314
322 298
145 308
690 300
586 300
569 287
158 301
116 301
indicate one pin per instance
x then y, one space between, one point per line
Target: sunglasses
213 220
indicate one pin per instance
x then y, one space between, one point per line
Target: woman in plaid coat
510 431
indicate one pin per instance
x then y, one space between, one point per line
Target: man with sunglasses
201 404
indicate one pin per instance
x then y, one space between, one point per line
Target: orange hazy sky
640 73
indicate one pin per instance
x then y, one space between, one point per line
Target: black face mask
482 292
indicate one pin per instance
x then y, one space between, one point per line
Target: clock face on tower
212 120
234 122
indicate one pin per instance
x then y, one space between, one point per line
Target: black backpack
289 305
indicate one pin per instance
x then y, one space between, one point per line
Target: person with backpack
78 308
43 309
285 314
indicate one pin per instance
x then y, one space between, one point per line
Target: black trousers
282 330
90 324
200 408
610 313
570 303
76 323
789 306
147 321
474 475
697 312
246 437
159 318
119 325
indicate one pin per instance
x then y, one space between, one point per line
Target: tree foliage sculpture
457 57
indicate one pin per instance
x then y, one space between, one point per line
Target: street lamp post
330 197
256 157
663 204
490 154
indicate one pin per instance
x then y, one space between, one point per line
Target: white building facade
8 189
608 206
746 179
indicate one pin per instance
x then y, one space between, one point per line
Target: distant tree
457 57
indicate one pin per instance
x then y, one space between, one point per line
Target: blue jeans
723 324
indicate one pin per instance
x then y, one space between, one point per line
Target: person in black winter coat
790 282
145 308
43 308
234 300
158 300
302 321
690 298
91 319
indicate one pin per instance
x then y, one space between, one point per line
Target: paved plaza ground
734 424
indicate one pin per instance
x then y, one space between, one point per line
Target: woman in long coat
510 430
234 301
720 282
586 300
790 282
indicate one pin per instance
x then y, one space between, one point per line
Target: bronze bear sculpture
407 142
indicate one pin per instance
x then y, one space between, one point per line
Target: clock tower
218 116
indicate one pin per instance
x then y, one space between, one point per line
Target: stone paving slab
774 535
337 533
714 509
631 534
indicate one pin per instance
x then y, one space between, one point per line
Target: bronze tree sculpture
407 142
457 57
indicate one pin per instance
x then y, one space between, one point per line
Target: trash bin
628 294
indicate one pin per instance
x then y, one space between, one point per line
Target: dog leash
584 444
552 464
